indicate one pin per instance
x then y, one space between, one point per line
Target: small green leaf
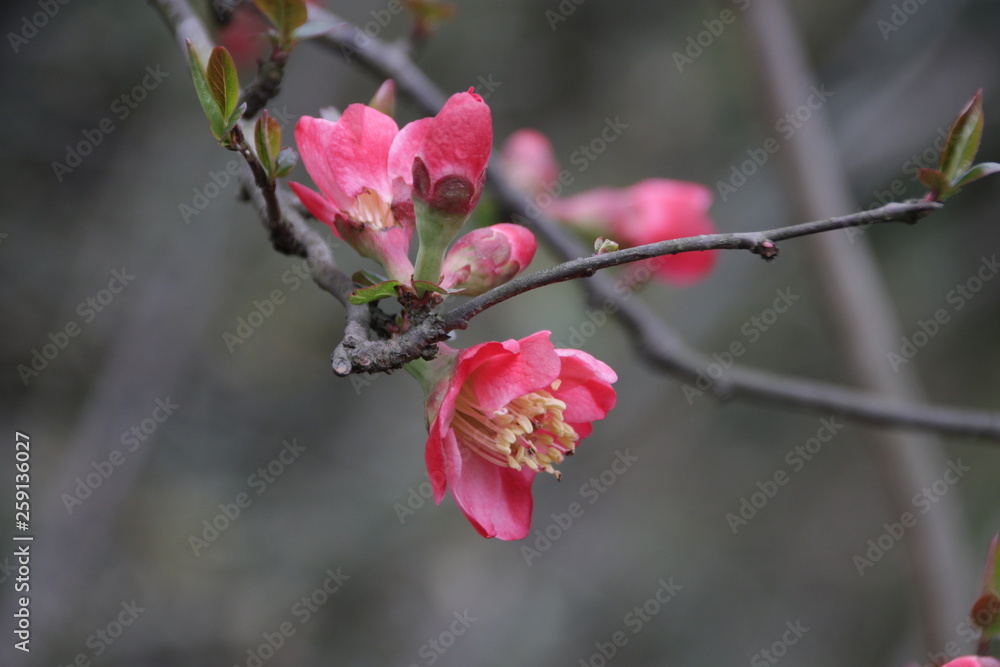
375 292
267 139
223 81
233 119
286 15
937 182
963 138
423 287
977 172
285 162
216 119
366 278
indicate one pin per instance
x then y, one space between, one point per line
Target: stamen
372 211
528 431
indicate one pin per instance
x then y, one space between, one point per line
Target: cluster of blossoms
498 414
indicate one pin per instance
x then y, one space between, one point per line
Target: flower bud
488 257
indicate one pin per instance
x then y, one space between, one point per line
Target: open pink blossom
503 413
487 257
650 211
363 167
450 166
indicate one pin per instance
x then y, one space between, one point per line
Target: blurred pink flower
652 210
529 162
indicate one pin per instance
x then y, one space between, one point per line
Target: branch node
766 248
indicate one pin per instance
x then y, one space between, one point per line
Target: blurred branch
863 315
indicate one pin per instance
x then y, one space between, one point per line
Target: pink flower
503 413
973 661
487 257
650 211
529 162
450 166
363 166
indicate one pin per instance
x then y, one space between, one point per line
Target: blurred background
127 271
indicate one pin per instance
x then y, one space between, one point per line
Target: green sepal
216 119
383 290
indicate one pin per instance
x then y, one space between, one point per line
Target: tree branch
760 243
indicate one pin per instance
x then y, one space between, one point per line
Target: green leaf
963 138
366 278
423 287
937 182
216 119
233 119
267 139
383 290
977 172
285 162
286 15
223 81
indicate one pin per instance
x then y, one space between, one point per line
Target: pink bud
529 162
450 166
488 257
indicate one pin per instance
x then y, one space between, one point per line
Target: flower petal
321 207
518 368
497 501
